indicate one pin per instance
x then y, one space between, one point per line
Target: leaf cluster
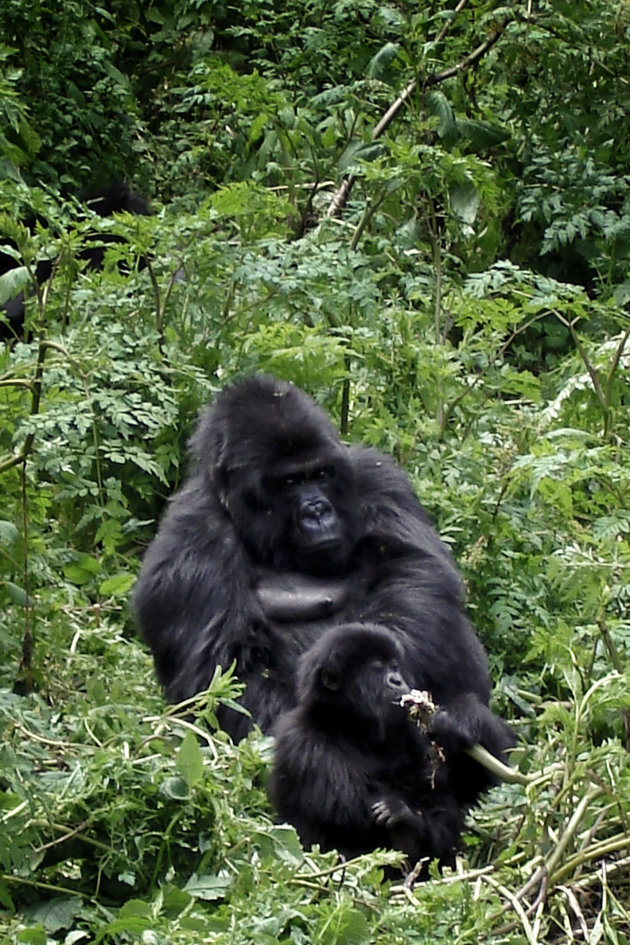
459 303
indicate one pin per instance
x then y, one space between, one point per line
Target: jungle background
420 213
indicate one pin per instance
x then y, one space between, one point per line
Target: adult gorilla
281 532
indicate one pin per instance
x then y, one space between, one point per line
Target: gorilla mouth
324 544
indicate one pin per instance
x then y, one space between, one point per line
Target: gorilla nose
316 511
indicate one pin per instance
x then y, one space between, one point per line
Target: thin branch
471 60
615 363
516 906
502 771
592 373
458 9
341 195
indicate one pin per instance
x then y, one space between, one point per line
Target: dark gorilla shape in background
115 199
351 772
279 533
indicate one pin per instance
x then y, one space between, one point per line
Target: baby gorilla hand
451 731
431 833
392 813
405 828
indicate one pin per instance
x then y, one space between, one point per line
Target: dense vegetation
462 304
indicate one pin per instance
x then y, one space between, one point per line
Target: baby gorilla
351 771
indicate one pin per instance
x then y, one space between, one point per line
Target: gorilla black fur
281 532
114 199
351 772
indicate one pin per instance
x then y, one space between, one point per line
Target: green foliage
80 104
19 142
464 310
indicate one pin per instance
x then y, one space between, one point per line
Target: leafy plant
419 215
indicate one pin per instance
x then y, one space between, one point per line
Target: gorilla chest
304 599
290 597
294 610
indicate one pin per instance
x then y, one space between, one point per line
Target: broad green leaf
380 63
465 201
8 533
118 585
189 759
439 106
208 887
82 569
482 134
12 282
56 914
17 594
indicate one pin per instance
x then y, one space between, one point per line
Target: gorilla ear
220 470
221 480
330 678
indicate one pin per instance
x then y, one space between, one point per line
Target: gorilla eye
323 474
289 482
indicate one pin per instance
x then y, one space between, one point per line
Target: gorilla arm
320 787
419 595
191 596
444 656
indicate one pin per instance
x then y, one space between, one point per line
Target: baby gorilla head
351 679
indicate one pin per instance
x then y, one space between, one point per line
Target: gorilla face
294 515
282 477
353 675
316 525
304 497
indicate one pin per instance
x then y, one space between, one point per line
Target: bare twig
458 9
